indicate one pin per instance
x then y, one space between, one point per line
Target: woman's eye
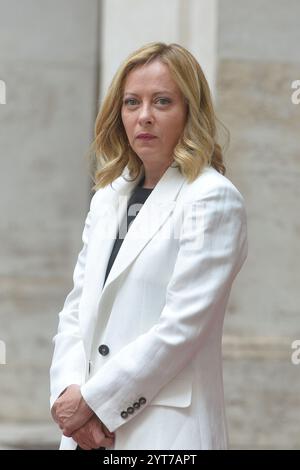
128 100
166 100
132 101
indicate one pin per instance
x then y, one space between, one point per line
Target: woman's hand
70 411
93 434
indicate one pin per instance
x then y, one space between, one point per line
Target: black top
134 205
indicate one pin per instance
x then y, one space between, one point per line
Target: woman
138 359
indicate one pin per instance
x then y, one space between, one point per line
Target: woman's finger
107 442
84 446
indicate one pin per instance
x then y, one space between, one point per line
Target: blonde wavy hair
197 147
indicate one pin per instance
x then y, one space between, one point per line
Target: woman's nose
145 114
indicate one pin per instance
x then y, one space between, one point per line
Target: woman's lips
148 137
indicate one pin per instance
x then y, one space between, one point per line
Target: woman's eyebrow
153 94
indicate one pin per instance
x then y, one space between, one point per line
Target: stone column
127 25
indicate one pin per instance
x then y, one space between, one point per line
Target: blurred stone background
57 58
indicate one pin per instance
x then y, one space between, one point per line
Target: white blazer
147 347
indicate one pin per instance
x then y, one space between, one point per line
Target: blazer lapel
153 214
157 208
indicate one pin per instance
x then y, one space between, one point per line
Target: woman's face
153 103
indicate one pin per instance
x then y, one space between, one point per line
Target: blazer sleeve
211 253
69 360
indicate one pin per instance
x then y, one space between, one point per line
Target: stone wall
258 61
48 62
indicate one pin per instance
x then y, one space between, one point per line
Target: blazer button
136 405
124 414
103 350
142 401
130 410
